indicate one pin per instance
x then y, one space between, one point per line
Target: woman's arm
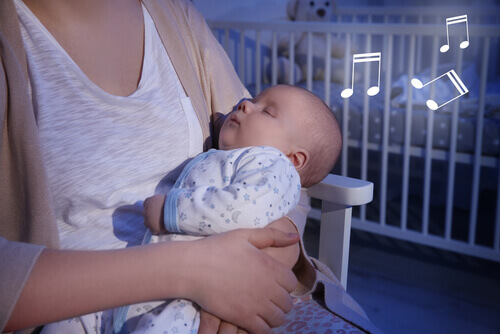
64 284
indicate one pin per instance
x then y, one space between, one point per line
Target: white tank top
104 154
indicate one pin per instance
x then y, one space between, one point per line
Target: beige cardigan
26 212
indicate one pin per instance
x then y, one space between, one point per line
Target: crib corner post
335 238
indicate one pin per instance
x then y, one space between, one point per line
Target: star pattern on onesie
243 187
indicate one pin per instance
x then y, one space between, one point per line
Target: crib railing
418 15
413 14
249 51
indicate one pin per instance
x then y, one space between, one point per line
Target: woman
101 48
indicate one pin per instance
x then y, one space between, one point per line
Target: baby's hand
153 213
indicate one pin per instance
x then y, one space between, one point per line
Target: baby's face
270 119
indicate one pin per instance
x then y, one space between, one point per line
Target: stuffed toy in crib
318 11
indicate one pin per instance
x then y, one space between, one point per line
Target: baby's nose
245 106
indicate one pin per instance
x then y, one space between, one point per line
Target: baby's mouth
234 119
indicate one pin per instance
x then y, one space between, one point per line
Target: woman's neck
105 38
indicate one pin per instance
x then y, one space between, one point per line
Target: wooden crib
436 173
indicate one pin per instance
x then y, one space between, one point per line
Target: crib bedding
442 125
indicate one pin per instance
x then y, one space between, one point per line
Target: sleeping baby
269 147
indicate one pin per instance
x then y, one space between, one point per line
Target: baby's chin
229 147
224 145
233 144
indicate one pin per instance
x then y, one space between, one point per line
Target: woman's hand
229 262
288 255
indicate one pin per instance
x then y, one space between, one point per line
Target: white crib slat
364 140
354 36
385 130
419 48
345 110
406 154
274 59
453 156
429 140
402 48
258 65
291 58
339 20
327 74
226 43
241 59
309 61
479 143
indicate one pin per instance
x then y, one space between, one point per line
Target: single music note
459 85
455 20
363 58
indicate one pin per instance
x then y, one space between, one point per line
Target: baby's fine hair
322 138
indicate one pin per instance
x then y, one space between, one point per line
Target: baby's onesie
217 191
220 191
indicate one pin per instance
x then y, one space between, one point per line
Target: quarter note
455 20
363 58
459 85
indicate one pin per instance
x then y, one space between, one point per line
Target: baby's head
293 120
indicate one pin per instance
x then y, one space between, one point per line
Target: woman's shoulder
182 9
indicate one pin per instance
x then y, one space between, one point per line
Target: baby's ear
299 158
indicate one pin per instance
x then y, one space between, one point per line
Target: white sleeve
264 187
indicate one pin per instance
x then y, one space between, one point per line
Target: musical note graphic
459 85
455 20
363 58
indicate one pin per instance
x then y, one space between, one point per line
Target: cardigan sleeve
16 262
25 201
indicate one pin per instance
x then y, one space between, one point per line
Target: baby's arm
264 187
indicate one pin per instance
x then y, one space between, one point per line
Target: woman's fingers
283 300
227 328
209 324
272 315
287 280
270 237
259 326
